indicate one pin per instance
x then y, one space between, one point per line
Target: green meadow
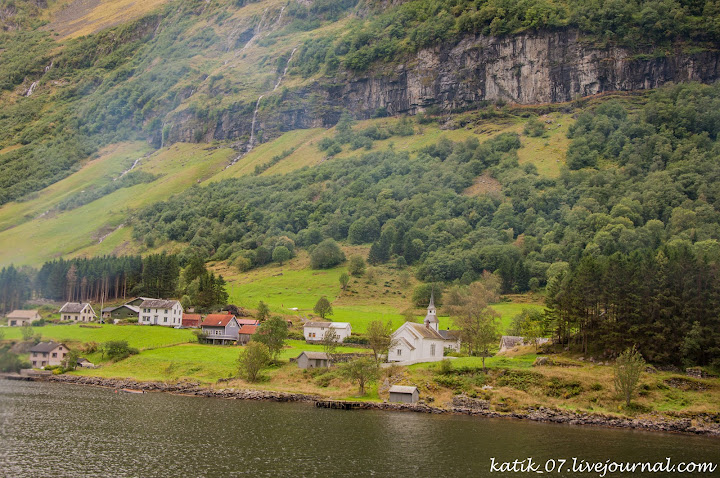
197 362
140 337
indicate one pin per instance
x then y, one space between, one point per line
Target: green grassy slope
78 231
32 231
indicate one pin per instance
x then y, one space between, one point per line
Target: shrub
118 350
326 254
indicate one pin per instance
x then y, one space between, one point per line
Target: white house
18 318
160 312
424 342
77 312
315 331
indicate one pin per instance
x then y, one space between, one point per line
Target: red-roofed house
246 333
248 322
220 328
191 320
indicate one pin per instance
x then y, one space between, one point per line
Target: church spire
431 319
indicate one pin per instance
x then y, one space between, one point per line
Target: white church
422 342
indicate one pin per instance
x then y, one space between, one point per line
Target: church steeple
431 319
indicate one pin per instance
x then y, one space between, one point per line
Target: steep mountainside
247 71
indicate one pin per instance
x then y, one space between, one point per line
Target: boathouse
404 394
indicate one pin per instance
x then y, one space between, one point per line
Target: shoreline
700 424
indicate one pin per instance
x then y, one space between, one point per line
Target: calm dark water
74 431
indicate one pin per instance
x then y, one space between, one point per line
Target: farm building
315 331
120 312
313 360
191 321
18 318
403 394
245 333
77 312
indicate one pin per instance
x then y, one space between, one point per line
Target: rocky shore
698 424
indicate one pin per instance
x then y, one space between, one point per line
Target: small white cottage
424 342
77 312
315 331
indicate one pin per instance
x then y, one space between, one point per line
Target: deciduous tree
628 367
255 356
323 307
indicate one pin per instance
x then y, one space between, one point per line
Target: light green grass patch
141 337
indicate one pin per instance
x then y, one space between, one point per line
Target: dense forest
642 182
111 278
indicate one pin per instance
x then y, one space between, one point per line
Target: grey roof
158 304
73 307
316 355
23 314
45 347
424 331
450 334
335 325
403 389
131 307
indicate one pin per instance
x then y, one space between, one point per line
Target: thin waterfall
287 65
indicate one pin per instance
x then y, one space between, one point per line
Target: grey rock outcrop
531 68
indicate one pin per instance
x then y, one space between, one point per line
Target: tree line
665 301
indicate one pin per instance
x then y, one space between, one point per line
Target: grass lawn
197 362
141 337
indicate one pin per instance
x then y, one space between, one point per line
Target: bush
326 254
118 350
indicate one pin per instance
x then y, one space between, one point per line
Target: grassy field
386 297
141 337
197 362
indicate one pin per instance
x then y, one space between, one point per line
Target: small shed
313 360
404 394
245 333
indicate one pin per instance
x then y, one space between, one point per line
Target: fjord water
75 431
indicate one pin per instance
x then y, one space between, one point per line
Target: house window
399 351
432 349
54 354
165 320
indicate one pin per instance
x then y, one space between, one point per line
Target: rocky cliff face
536 68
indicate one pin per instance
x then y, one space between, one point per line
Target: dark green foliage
11 362
326 254
15 288
107 277
322 307
421 295
273 333
117 350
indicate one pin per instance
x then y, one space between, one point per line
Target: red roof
248 321
248 329
217 320
191 320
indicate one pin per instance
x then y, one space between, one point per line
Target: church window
432 349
